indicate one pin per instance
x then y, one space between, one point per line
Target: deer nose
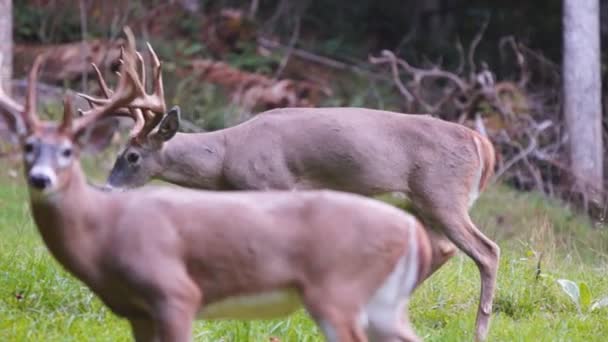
39 181
41 177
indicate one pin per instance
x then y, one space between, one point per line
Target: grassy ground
41 302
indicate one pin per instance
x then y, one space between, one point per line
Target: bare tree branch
473 47
292 43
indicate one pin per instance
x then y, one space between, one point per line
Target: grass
41 302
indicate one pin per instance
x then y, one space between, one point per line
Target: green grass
41 302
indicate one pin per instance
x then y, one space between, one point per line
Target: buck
442 167
162 256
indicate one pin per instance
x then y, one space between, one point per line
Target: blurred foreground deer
160 257
441 166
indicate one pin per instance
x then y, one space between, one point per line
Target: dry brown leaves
67 61
255 91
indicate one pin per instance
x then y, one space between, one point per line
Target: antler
22 118
145 109
10 109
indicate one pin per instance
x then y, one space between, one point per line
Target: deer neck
68 222
194 160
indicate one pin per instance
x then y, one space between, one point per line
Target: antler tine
153 118
68 115
142 70
146 109
10 109
23 117
154 102
129 88
107 92
7 103
138 126
158 75
29 112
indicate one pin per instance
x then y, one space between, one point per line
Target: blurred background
528 74
500 67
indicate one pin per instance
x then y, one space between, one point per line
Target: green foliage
359 91
206 105
580 294
25 22
249 60
45 24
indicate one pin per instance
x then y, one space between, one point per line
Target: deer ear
97 136
169 125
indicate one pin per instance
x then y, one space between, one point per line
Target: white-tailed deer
160 257
441 166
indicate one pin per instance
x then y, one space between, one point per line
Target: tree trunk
6 58
582 96
6 44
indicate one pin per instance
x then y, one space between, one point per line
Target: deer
441 167
162 257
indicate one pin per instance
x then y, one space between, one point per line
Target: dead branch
474 43
521 61
292 43
412 93
392 60
524 152
522 119
322 60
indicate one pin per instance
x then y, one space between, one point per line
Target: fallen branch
326 61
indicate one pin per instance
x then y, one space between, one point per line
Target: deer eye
64 155
132 157
66 152
28 148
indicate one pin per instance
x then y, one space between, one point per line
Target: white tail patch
382 312
475 184
411 268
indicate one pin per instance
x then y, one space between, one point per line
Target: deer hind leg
386 312
388 322
441 247
459 228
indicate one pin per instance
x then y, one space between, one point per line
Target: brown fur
161 256
489 160
335 249
434 162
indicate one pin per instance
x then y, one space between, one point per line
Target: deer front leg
175 322
143 330
176 305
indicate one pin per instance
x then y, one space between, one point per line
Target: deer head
141 159
51 149
153 126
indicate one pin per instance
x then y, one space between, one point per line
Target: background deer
351 261
441 166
